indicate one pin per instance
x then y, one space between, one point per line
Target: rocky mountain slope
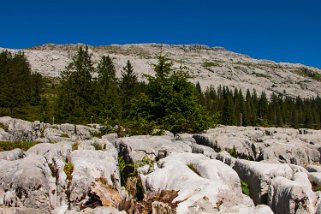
224 170
209 66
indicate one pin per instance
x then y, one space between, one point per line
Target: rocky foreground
70 171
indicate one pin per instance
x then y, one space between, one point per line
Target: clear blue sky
280 30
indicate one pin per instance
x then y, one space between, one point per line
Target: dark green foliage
36 88
20 90
107 92
75 97
278 111
129 87
170 101
15 80
8 146
233 152
122 166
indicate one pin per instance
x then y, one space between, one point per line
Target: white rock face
12 155
20 130
286 196
203 185
196 174
258 175
37 178
270 144
27 183
91 166
209 66
155 147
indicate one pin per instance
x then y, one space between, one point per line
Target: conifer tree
129 87
171 101
108 98
15 75
75 97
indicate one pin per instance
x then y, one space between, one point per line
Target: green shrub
97 146
23 145
261 75
75 146
68 169
245 188
4 127
215 63
96 134
64 135
233 152
309 73
122 166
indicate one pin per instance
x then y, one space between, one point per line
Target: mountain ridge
210 66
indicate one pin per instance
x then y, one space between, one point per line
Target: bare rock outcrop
203 184
71 171
292 196
300 147
155 147
258 175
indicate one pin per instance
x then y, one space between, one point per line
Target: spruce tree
75 97
129 87
15 75
108 99
171 101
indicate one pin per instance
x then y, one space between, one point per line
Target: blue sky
283 30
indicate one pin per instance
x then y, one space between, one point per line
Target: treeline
167 101
18 85
252 109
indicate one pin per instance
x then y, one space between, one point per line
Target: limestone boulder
203 185
313 168
259 175
155 147
12 155
4 136
28 183
292 196
95 178
17 210
290 146
20 130
315 178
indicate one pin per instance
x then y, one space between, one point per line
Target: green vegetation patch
68 169
96 134
233 152
261 75
4 127
75 146
305 72
97 146
245 188
215 63
23 145
64 135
